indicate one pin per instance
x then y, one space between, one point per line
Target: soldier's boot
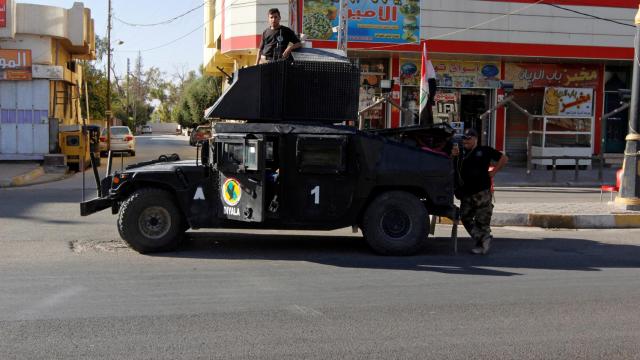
482 247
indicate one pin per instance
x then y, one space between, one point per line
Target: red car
202 132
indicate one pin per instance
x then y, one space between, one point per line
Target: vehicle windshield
117 131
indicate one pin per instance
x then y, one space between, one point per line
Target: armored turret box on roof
312 85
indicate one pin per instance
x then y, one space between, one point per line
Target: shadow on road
352 252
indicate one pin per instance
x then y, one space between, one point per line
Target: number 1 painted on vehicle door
316 193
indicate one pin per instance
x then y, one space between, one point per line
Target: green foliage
133 96
198 94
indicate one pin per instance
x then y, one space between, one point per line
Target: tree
198 94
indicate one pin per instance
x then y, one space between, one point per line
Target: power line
185 35
168 43
168 21
590 15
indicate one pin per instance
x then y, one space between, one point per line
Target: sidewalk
22 173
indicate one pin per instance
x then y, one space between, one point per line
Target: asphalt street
70 288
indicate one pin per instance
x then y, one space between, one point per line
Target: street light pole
629 196
108 112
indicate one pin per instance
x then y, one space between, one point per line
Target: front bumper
93 206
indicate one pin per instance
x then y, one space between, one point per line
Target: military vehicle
285 162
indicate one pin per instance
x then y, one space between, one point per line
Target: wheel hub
395 223
154 222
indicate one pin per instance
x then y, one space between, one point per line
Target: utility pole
108 112
128 98
629 196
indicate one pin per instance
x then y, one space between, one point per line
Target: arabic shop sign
467 74
15 64
3 13
560 101
525 76
410 72
383 21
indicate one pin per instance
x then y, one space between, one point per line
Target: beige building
40 79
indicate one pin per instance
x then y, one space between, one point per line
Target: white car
122 140
146 129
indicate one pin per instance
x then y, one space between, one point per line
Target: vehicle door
321 187
240 165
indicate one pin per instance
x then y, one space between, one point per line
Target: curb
568 184
560 221
24 179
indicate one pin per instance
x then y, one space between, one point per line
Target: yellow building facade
40 76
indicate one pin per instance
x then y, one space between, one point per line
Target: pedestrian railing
576 162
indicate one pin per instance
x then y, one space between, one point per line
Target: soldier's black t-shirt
474 169
275 41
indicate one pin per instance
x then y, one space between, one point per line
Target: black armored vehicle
284 162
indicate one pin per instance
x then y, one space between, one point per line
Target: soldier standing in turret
278 41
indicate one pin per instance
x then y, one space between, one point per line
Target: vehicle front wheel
150 221
396 223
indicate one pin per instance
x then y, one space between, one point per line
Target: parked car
122 140
146 129
202 132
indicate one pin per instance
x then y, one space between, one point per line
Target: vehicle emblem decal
199 194
231 192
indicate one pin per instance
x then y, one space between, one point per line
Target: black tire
132 153
150 221
396 223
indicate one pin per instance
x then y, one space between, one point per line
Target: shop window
567 141
373 71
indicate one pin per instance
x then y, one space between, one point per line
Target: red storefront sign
3 13
529 75
15 64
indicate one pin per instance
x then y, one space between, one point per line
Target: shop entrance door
466 106
474 103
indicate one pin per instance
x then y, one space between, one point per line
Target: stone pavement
580 211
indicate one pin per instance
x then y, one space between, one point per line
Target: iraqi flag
427 81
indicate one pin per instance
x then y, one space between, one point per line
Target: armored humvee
286 165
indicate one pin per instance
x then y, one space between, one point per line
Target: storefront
377 31
564 99
467 89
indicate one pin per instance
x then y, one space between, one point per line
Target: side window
232 153
239 156
321 154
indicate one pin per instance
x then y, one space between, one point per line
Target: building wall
536 24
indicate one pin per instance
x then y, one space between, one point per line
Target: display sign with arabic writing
384 21
525 76
15 64
3 13
560 101
467 74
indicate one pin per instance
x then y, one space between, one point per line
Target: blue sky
185 53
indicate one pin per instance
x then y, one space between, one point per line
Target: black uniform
275 41
474 191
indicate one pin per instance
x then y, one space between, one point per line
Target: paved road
70 288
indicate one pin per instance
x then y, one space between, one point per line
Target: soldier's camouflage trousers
475 213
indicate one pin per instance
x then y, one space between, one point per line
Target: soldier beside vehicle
473 187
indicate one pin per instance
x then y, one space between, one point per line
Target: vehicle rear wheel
150 221
132 153
396 223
